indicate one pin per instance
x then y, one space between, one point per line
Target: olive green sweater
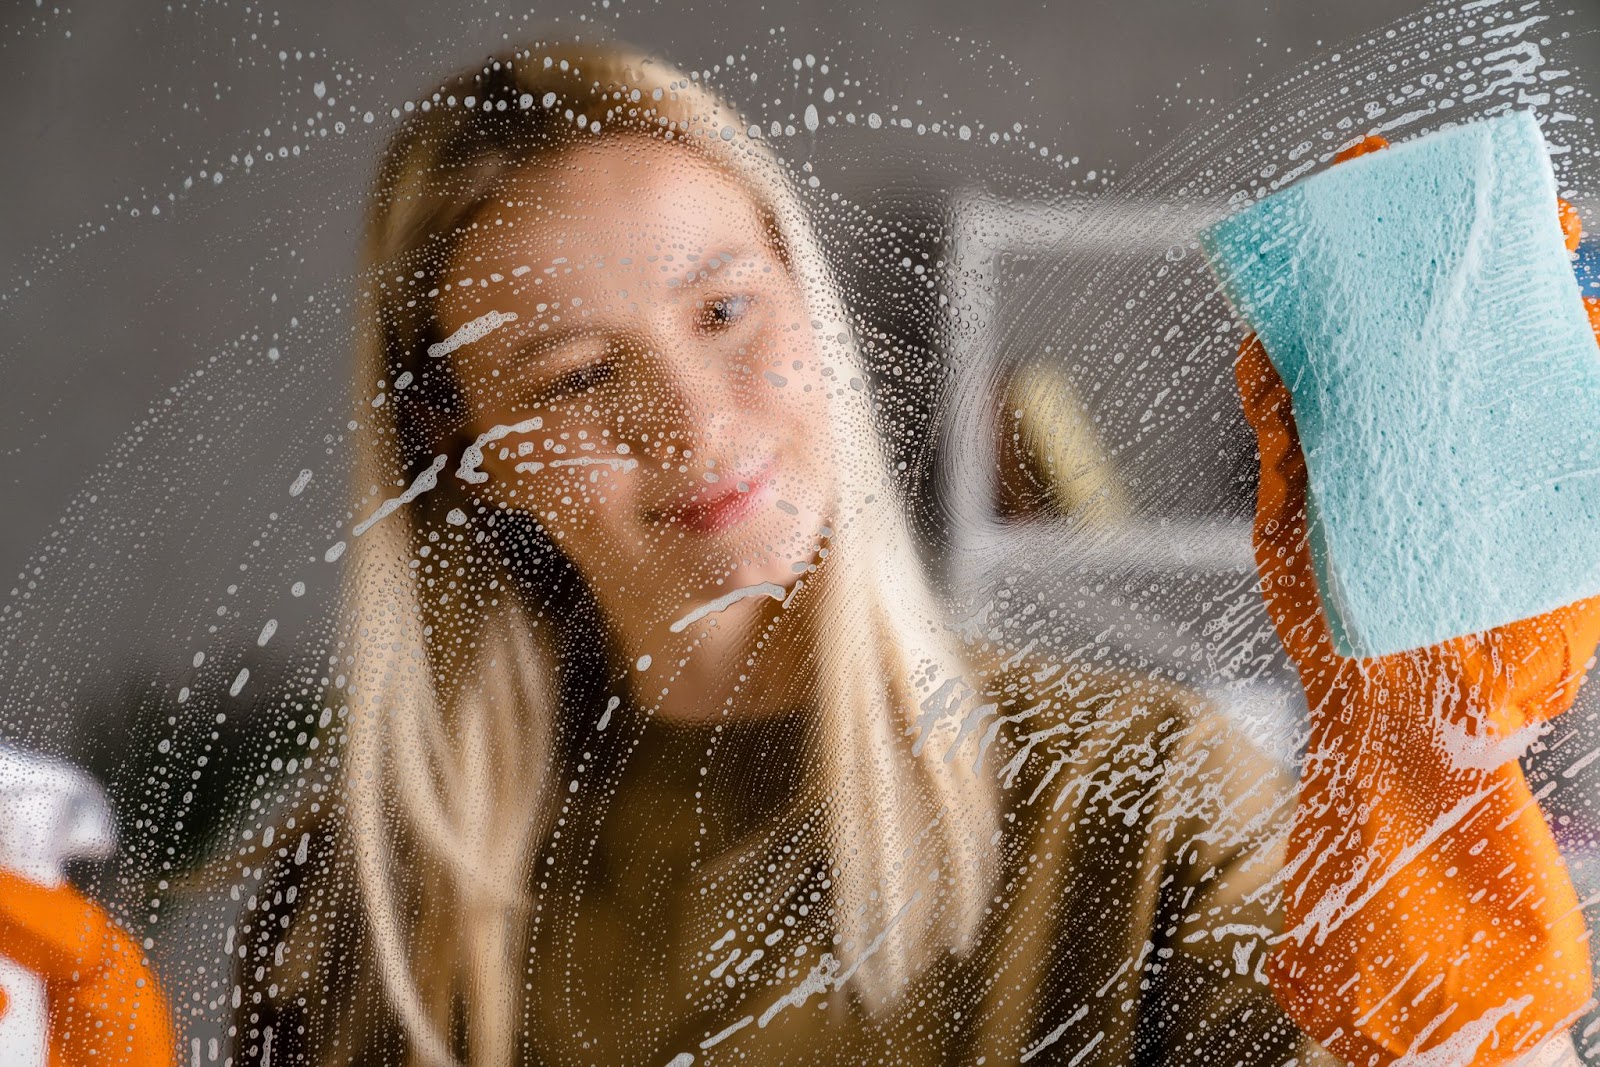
1133 902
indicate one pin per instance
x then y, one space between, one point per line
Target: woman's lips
728 508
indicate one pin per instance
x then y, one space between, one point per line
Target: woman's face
657 404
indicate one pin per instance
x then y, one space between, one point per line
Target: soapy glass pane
751 562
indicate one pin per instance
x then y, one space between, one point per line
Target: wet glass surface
573 538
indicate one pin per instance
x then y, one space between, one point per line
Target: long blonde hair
455 708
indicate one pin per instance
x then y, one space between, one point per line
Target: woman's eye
579 380
725 311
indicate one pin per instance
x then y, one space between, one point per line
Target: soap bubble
527 551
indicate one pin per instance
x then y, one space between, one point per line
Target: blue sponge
1421 307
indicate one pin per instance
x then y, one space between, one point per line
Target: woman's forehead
606 222
617 198
632 259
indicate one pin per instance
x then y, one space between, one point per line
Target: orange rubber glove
1426 906
104 1005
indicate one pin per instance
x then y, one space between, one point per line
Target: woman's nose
690 402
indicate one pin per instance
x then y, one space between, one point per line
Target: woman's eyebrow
703 275
546 342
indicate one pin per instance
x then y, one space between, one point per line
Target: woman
654 746
659 749
590 820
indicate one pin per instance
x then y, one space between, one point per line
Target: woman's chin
768 579
740 596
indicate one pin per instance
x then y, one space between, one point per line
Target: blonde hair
454 729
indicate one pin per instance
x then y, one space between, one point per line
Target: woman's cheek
591 504
808 432
523 484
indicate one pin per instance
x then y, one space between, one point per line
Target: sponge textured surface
1421 307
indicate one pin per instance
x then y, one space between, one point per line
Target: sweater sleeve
1211 1002
1426 906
